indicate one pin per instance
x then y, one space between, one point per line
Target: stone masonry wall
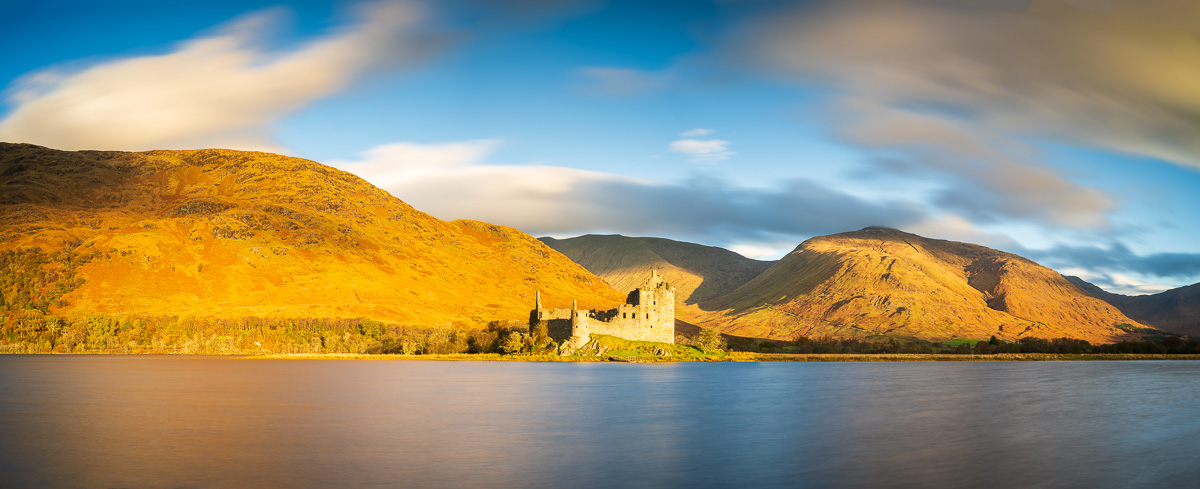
647 315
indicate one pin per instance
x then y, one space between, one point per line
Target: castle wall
637 329
647 315
558 322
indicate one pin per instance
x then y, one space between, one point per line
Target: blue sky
1061 130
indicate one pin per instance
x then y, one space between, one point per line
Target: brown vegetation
229 235
882 282
875 283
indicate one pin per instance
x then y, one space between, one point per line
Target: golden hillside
880 281
221 233
698 272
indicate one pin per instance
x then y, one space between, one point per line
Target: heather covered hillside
880 281
231 234
872 283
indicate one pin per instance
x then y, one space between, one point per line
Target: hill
219 233
874 282
1176 310
880 281
698 272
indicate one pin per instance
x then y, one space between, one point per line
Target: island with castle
648 314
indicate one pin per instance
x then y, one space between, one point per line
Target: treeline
33 279
35 331
1161 345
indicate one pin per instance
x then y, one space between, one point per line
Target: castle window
654 303
647 315
623 315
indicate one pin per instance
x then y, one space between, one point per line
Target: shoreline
743 357
725 357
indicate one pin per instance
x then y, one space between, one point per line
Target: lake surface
134 422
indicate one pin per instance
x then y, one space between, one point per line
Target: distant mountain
218 233
868 283
880 281
698 272
1175 310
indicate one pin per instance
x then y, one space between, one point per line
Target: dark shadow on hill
688 329
1176 310
795 275
721 270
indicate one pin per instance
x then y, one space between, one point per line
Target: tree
540 330
710 340
514 342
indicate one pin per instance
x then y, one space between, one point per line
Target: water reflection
218 422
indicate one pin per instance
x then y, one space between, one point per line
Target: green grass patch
649 350
961 341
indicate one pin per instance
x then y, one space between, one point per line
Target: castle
648 314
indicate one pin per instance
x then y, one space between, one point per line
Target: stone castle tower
648 314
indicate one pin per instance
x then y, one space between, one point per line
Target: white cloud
759 252
221 90
1123 284
692 133
701 150
453 181
1116 283
393 165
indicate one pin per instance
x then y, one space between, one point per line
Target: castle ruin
648 314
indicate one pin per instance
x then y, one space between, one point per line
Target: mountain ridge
1176 310
699 272
878 282
232 233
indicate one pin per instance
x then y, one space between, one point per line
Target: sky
1066 131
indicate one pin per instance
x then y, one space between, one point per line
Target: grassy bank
743 357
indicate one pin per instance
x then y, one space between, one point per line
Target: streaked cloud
550 200
700 150
1118 74
986 177
760 252
960 95
622 82
1117 283
222 90
1117 258
394 164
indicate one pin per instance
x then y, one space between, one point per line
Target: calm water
137 422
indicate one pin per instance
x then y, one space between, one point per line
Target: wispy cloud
1114 74
1118 258
700 150
457 183
985 176
222 90
952 95
760 251
622 82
